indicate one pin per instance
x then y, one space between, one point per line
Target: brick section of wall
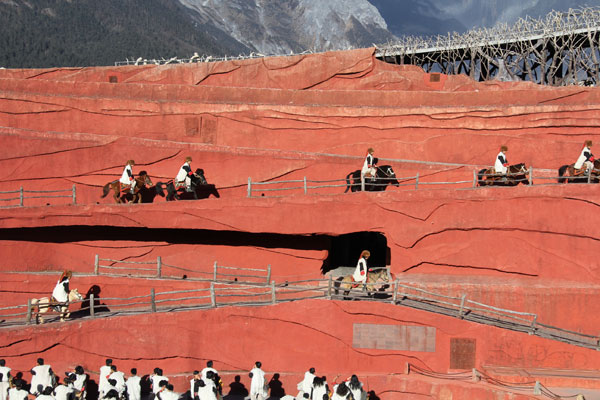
394 337
462 353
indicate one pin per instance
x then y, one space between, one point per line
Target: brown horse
568 174
122 193
347 283
516 174
44 305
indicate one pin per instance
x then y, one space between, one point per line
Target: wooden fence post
152 300
268 273
474 179
21 196
213 297
305 187
158 266
74 196
92 311
589 174
249 187
530 175
28 311
417 181
362 183
215 272
273 299
329 287
395 296
96 264
462 304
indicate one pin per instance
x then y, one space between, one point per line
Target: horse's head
379 274
143 179
74 295
387 172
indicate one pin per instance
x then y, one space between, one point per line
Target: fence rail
219 294
526 177
135 268
22 195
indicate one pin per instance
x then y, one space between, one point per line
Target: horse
516 174
385 176
124 195
44 304
578 176
200 189
346 283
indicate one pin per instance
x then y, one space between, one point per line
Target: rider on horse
586 159
60 294
369 167
360 273
127 180
184 176
501 164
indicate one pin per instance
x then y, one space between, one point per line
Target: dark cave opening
342 250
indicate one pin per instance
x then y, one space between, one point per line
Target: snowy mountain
278 27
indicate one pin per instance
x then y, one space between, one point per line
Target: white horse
44 305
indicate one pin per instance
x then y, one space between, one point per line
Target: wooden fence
417 181
22 195
219 294
158 269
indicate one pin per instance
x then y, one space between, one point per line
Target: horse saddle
580 171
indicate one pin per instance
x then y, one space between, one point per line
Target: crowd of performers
204 385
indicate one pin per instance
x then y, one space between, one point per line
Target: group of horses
518 174
145 191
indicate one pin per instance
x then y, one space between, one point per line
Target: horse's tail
561 172
106 189
348 183
336 284
480 177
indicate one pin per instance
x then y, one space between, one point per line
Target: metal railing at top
22 195
219 294
156 269
417 181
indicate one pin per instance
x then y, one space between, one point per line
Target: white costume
44 397
307 383
79 383
257 385
368 167
501 165
119 377
134 389
5 371
360 273
59 293
205 370
61 392
207 392
103 385
319 391
356 393
184 176
168 395
127 177
585 158
17 394
156 379
42 377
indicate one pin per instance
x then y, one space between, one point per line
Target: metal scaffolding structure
559 49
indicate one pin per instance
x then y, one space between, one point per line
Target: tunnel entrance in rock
342 250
